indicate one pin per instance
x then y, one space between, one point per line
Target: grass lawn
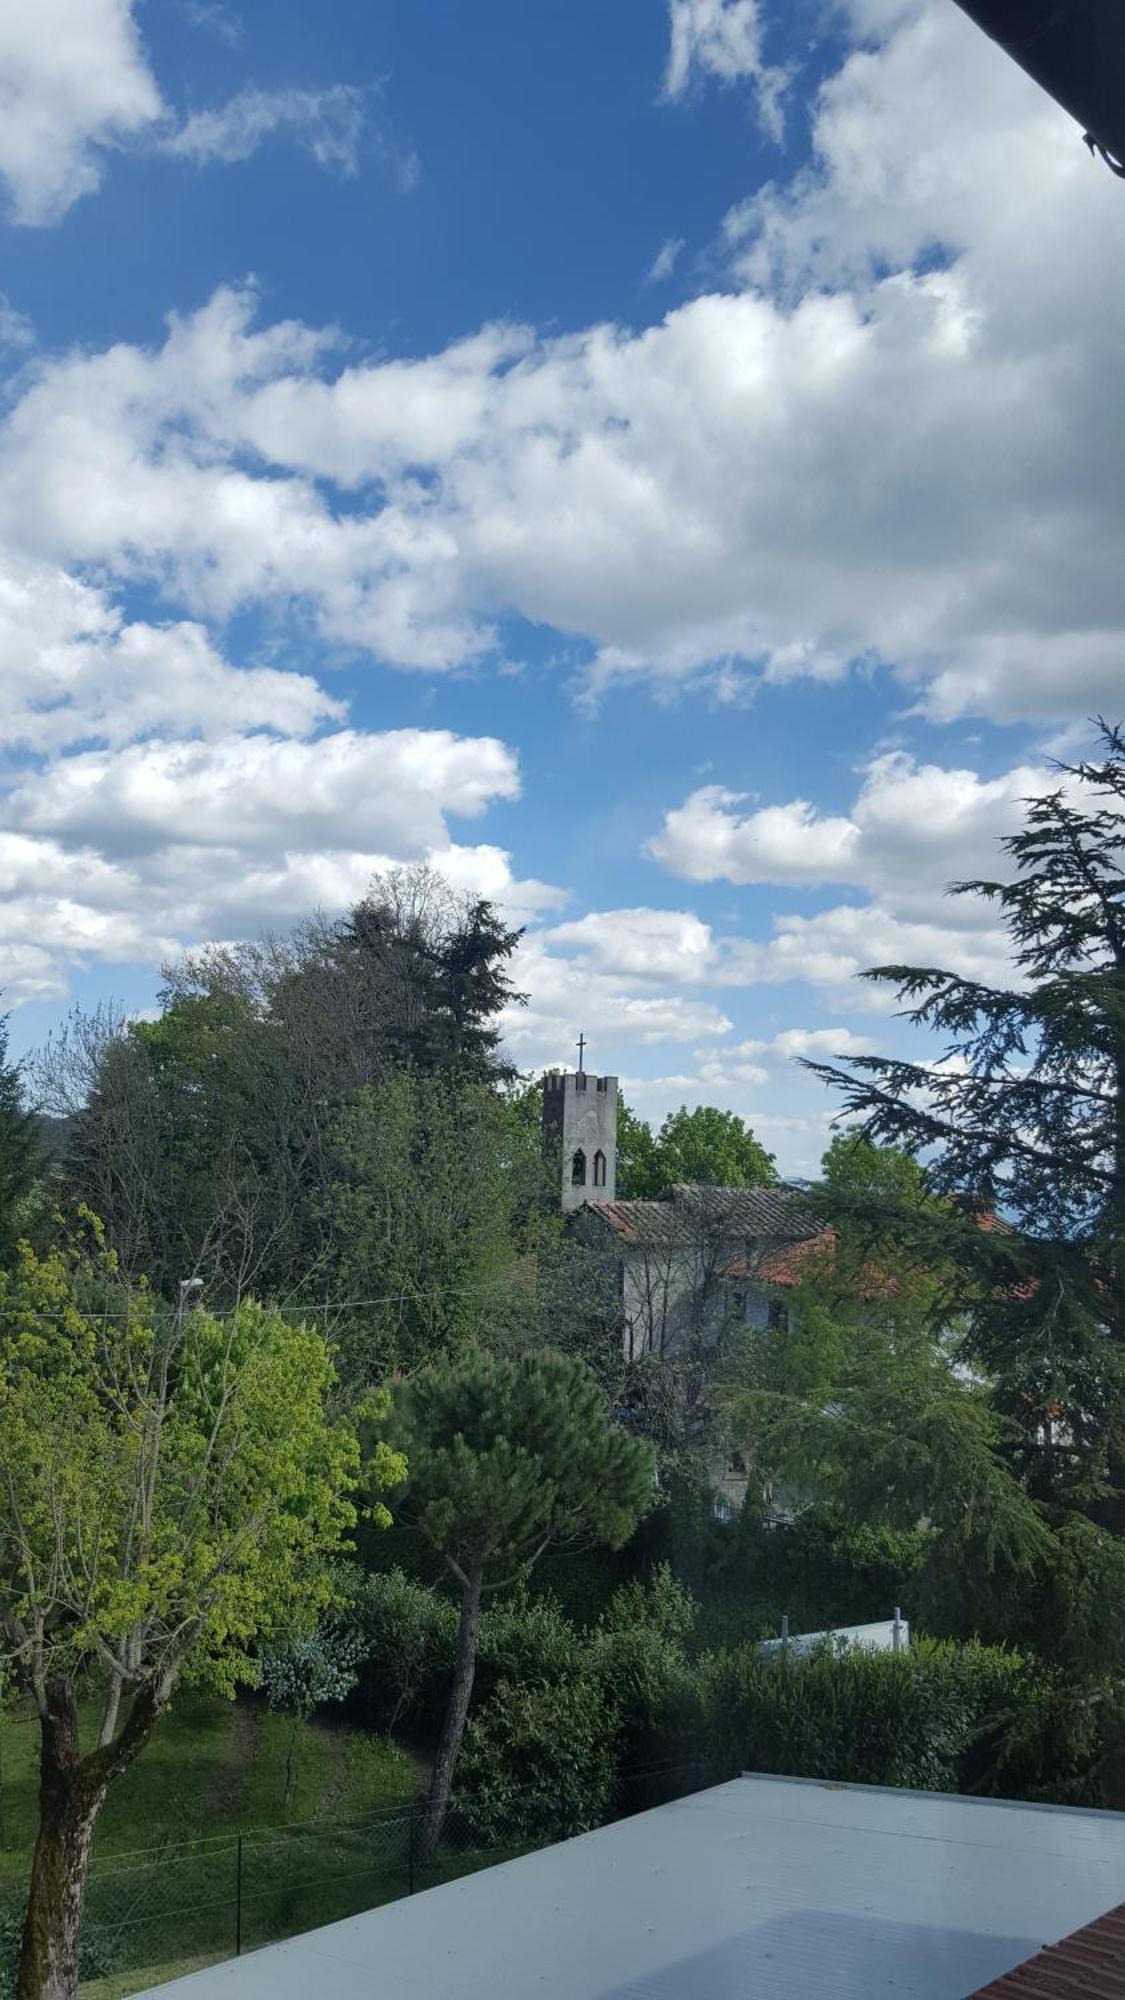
164 1886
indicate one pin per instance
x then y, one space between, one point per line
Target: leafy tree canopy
174 1487
506 1457
19 1147
1023 1119
706 1145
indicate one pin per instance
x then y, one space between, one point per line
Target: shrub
638 1655
821 1570
537 1763
405 1635
309 1669
525 1641
910 1718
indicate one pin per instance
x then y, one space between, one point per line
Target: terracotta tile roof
1089 1965
688 1211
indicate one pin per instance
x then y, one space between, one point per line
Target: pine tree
505 1459
1023 1120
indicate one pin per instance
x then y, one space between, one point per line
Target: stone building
689 1259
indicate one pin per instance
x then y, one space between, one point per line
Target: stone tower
580 1135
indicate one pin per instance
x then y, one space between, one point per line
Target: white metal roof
762 1886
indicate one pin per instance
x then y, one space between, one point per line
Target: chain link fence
159 1911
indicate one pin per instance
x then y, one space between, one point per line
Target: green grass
164 1880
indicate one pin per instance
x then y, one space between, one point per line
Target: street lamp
188 1286
1075 50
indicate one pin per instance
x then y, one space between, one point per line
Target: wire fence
165 1909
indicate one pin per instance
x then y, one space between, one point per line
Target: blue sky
642 457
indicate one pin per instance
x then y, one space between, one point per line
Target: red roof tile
1090 1965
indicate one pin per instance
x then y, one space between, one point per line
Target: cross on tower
581 1052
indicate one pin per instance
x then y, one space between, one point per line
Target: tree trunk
71 1791
453 1727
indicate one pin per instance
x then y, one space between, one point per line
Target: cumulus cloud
566 995
642 943
913 828
254 793
873 450
895 442
794 1043
75 670
125 853
75 83
73 80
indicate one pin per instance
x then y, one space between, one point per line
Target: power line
401 1297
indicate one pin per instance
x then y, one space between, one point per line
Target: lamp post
1075 50
188 1288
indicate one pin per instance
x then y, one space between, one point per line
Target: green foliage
430 1180
858 1176
537 1762
638 1169
637 1655
820 1571
505 1457
19 1149
207 1138
705 1145
1026 1113
860 1398
173 1487
525 1640
403 1635
712 1146
439 969
910 1718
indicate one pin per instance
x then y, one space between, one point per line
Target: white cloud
665 260
913 828
565 996
73 670
328 123
721 41
16 330
124 854
875 450
215 20
707 839
793 1043
641 943
73 81
831 949
257 793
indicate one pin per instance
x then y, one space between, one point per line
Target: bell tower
580 1132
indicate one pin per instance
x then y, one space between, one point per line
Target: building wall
670 1296
580 1124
